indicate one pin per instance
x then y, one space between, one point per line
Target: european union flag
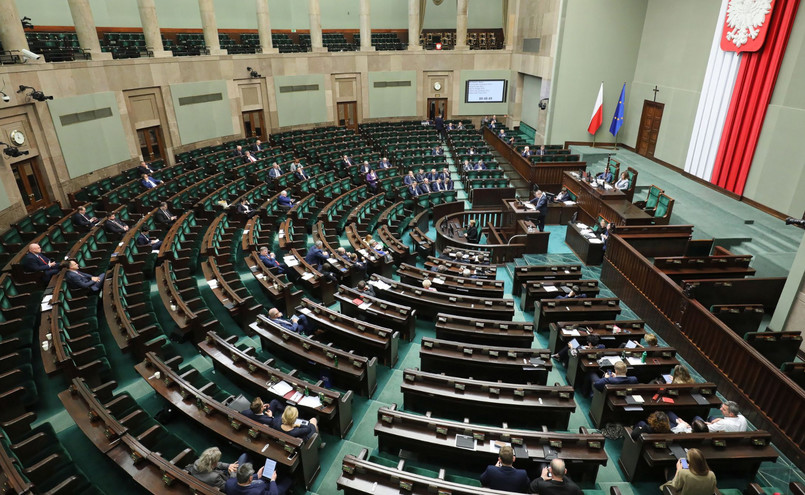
617 119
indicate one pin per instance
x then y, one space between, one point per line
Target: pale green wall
440 17
777 176
389 14
531 91
484 14
93 144
5 202
201 121
676 68
302 107
599 41
340 14
484 108
395 101
288 14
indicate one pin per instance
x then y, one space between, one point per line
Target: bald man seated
298 324
554 481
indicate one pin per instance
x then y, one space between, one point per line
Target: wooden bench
435 439
518 405
457 284
524 273
278 288
741 318
484 362
564 331
457 267
424 245
181 298
347 369
739 454
659 361
129 314
314 280
394 316
679 268
755 290
777 347
578 309
537 290
617 404
491 332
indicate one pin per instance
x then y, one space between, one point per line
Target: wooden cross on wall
656 90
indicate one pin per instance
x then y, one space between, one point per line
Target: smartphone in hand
684 463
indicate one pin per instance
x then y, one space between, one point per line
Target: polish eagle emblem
745 24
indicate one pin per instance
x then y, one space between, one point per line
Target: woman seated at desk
304 429
623 183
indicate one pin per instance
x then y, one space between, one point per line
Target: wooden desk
563 332
581 309
456 267
558 213
659 361
518 405
590 253
490 332
395 316
537 290
608 203
457 284
525 273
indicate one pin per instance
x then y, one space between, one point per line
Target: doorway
152 146
30 183
649 128
253 125
348 114
437 106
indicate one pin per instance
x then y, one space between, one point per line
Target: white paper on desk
574 344
569 203
638 399
550 288
438 281
280 388
529 206
379 284
572 332
363 252
305 311
364 305
310 401
213 284
632 408
595 240
307 276
631 344
634 361
295 397
154 251
332 261
582 225
46 307
668 378
290 260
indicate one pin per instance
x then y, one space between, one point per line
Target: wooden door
253 125
437 106
348 114
152 147
29 181
649 128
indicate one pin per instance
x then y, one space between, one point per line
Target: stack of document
290 260
212 283
380 284
280 388
46 303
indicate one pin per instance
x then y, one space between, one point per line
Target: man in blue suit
79 280
384 163
413 189
275 171
149 182
270 261
606 175
144 240
298 324
316 255
284 201
35 261
618 377
540 202
409 179
300 173
503 476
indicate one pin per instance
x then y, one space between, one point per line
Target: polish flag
598 112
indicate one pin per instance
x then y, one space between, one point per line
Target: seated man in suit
437 186
424 188
471 151
144 168
364 168
460 126
298 324
526 152
623 183
450 126
365 289
144 240
300 173
480 165
246 482
606 175
473 236
562 196
448 184
371 181
541 151
485 121
347 161
284 201
270 260
467 166
413 189
249 158
444 174
244 208
79 280
384 163
503 476
432 175
502 134
149 182
617 377
573 294
554 481
267 414
238 151
420 176
80 219
258 146
164 215
115 226
437 151
409 179
316 255
35 261
275 171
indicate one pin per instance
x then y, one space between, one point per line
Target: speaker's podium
558 213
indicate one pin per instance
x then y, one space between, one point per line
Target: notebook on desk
465 442
700 399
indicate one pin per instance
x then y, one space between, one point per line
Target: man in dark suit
347 161
424 188
81 219
444 174
300 173
473 236
267 414
115 226
275 171
606 175
438 123
365 168
480 165
526 152
284 201
35 261
145 240
413 189
617 377
238 151
420 176
298 324
249 158
540 151
384 163
503 476
554 481
432 175
144 168
164 215
540 202
270 261
437 151
258 146
316 255
437 186
244 208
448 184
79 280
573 294
149 182
409 179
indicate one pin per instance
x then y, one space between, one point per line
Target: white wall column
150 23
264 27
85 29
461 25
366 26
315 26
12 36
512 13
210 27
413 25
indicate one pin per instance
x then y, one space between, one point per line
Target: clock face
17 137
437 86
